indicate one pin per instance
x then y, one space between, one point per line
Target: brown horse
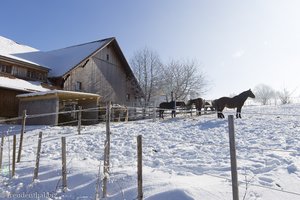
169 106
199 104
234 102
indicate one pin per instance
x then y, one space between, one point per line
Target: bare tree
182 78
284 96
263 93
146 65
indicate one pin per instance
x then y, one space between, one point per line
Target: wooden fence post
22 135
14 156
106 149
144 111
38 155
154 114
1 151
126 114
139 168
111 113
64 163
234 175
79 119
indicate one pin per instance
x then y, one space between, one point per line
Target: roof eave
27 64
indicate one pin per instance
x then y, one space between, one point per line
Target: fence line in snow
147 112
262 149
64 172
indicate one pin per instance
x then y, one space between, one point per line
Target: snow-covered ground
183 158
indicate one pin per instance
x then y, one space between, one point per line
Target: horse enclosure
240 155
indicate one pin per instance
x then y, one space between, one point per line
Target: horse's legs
220 110
161 114
220 114
173 113
198 112
238 113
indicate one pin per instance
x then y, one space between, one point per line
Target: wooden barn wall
38 106
103 75
9 104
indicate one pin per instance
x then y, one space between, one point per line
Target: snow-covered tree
284 96
263 93
147 66
182 78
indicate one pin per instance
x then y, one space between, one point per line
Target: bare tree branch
183 78
146 65
263 93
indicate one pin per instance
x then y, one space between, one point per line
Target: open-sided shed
58 107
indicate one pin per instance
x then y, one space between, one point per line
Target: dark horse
234 102
199 104
169 106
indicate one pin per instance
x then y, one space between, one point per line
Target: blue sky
239 44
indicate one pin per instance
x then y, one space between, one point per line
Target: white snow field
183 158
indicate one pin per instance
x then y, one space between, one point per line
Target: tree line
264 94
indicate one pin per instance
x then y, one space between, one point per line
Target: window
78 86
35 75
5 68
107 57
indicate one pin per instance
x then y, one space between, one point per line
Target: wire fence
76 153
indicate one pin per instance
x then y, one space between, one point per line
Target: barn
97 67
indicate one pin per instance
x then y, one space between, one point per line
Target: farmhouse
18 76
97 67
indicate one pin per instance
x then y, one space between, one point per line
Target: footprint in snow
265 181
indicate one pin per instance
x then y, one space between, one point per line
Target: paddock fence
69 152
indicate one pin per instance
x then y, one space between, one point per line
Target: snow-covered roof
57 92
10 49
20 84
59 61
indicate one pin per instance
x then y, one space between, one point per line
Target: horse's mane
242 94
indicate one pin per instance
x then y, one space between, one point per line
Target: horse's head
250 94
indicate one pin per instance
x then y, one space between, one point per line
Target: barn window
78 86
31 74
107 57
5 68
35 75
